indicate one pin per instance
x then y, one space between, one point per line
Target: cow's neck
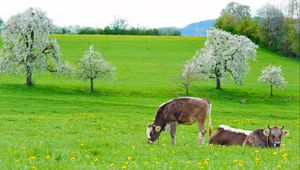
159 120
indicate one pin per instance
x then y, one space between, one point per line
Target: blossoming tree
27 46
224 53
272 75
92 66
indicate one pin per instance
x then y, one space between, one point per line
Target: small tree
27 47
199 67
272 75
92 66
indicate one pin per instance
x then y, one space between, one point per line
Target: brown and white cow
270 137
226 135
183 110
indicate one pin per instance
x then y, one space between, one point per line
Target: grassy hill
57 124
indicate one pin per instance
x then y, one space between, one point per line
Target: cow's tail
209 120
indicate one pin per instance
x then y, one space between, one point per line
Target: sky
146 13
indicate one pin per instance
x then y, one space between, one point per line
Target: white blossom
224 53
273 76
92 66
27 46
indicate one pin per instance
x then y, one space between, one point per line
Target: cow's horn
282 127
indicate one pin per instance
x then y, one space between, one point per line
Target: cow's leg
173 132
201 132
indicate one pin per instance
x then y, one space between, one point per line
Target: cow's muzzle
277 144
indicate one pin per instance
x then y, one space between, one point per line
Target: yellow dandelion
274 153
278 166
132 147
126 163
96 160
284 156
73 158
124 167
257 161
256 151
82 145
210 145
163 144
199 164
284 145
235 161
112 165
129 158
48 157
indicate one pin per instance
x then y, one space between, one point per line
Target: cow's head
274 134
153 133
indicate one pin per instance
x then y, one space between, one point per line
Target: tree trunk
186 85
28 76
271 93
218 81
92 85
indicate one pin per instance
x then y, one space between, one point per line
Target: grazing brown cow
183 110
270 137
226 135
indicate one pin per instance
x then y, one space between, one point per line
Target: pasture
58 124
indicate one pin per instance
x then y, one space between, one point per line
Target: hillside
58 124
197 28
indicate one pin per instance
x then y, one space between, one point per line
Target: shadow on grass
244 95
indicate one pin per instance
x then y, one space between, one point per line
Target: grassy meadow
58 124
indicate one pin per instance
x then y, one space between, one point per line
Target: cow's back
185 109
225 137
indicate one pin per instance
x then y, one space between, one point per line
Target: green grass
57 124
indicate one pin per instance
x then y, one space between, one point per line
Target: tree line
272 28
118 27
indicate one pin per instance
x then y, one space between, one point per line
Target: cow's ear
157 128
266 132
285 133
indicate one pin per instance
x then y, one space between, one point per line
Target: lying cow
270 137
183 110
226 135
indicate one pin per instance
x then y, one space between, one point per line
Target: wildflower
257 161
48 157
284 145
112 165
96 160
278 166
31 158
124 167
129 158
284 156
256 151
163 144
275 153
199 164
82 145
126 163
73 158
132 147
210 145
235 161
